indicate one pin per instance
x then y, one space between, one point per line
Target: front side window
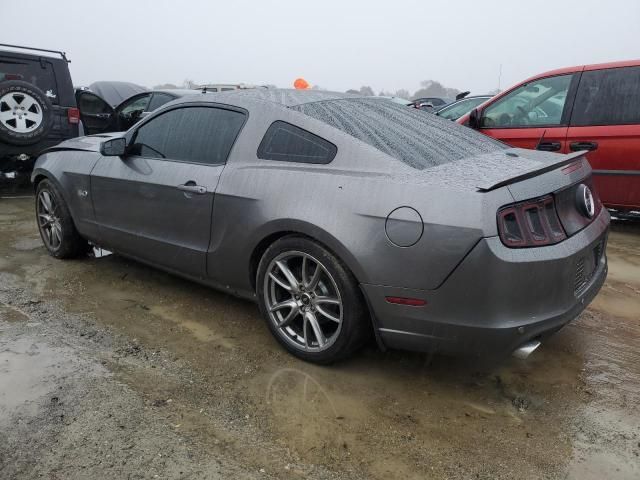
608 97
288 143
190 134
537 103
135 107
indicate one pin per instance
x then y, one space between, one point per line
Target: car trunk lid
517 165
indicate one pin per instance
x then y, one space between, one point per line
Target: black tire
70 244
18 89
355 327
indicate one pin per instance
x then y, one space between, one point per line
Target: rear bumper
498 298
17 161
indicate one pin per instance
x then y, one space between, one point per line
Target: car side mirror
116 147
474 119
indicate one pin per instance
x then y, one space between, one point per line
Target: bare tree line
428 88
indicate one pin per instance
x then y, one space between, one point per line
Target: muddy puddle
569 411
28 371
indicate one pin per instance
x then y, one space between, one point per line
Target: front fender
70 172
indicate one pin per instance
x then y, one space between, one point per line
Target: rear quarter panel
343 208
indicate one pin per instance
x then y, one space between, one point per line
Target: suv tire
25 113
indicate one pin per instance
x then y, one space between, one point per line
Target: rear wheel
25 113
55 224
311 301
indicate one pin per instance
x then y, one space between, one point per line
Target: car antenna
541 138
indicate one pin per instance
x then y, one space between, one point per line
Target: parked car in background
398 100
114 92
592 108
457 109
37 107
116 106
445 241
225 87
432 103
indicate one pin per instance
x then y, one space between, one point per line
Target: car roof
580 68
32 52
180 92
284 96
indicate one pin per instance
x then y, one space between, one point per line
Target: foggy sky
334 44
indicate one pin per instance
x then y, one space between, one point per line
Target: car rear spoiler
569 158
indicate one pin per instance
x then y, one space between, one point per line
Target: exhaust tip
526 349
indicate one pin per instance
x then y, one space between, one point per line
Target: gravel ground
110 369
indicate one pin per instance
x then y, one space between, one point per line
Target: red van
591 107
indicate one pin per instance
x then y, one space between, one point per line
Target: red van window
536 104
608 97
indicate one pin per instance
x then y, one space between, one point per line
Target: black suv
37 107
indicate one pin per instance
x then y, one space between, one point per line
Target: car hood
493 170
90 143
114 93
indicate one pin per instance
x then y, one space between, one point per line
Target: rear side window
158 100
191 134
288 143
40 74
608 97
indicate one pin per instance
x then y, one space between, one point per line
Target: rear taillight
532 223
73 115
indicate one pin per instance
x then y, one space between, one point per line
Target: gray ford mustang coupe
342 216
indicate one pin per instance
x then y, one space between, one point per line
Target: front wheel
311 301
55 224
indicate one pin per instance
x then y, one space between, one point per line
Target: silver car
342 216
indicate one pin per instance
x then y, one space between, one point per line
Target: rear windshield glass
417 138
39 74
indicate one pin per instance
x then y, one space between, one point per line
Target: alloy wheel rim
303 301
20 112
48 220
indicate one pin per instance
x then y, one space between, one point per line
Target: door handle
577 146
191 187
549 146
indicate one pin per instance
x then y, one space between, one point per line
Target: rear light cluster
532 223
73 116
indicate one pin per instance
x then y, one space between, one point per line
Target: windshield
458 109
400 100
413 137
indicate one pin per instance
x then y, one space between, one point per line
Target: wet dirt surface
110 369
